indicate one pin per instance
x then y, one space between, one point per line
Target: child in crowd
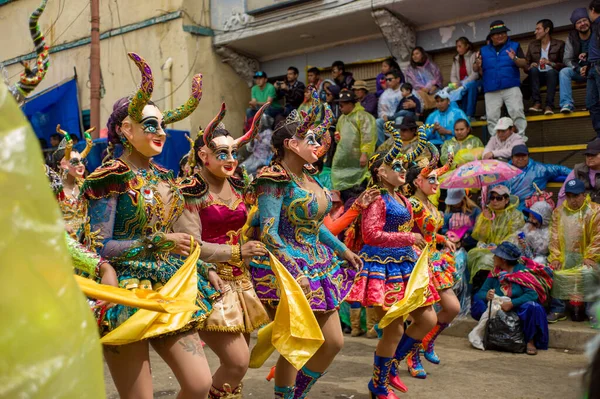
462 140
534 238
443 119
409 105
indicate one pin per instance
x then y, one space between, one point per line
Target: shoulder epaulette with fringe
112 177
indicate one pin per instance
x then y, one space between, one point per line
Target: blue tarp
175 148
58 105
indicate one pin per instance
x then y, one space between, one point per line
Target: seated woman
462 144
534 237
500 221
460 216
513 279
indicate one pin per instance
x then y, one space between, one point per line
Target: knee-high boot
305 379
429 341
406 345
378 386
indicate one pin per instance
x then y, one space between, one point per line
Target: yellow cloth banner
414 295
138 298
144 324
295 332
49 344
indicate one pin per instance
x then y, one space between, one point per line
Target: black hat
408 123
260 74
593 147
508 251
520 149
498 27
346 96
574 186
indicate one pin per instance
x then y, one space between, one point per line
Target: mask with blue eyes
223 153
151 125
398 167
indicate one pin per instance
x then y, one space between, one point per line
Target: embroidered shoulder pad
238 184
274 172
112 177
166 174
193 186
417 205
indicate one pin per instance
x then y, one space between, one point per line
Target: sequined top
74 211
225 221
387 222
428 221
291 220
132 212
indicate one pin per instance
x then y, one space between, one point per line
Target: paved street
464 373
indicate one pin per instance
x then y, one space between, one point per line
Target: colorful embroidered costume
291 226
133 212
240 310
388 254
428 221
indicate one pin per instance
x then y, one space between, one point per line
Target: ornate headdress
305 120
395 153
247 137
144 93
31 77
322 131
435 158
67 142
191 161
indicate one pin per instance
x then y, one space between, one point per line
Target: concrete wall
518 22
191 54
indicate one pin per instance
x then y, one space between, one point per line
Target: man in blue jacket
533 172
499 64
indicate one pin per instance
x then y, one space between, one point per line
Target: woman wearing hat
526 289
500 221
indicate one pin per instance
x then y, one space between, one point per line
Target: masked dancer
215 212
292 204
423 182
389 259
133 203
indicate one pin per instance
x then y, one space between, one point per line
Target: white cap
504 123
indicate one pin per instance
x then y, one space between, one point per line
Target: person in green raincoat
357 136
462 140
574 250
500 221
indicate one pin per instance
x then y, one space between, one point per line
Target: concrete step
563 335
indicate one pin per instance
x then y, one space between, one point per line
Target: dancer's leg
450 306
183 353
316 366
386 347
424 321
129 367
234 356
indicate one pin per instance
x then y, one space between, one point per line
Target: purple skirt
330 278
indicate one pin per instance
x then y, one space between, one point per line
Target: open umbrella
480 174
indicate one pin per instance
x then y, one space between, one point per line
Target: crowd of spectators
515 212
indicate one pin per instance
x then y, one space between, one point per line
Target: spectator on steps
510 277
261 93
499 64
501 144
388 103
533 172
366 99
588 172
314 78
592 100
463 75
574 241
443 119
356 136
462 140
340 76
332 92
545 60
291 89
425 76
576 50
387 65
409 105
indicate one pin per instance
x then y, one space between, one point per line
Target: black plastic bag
504 333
